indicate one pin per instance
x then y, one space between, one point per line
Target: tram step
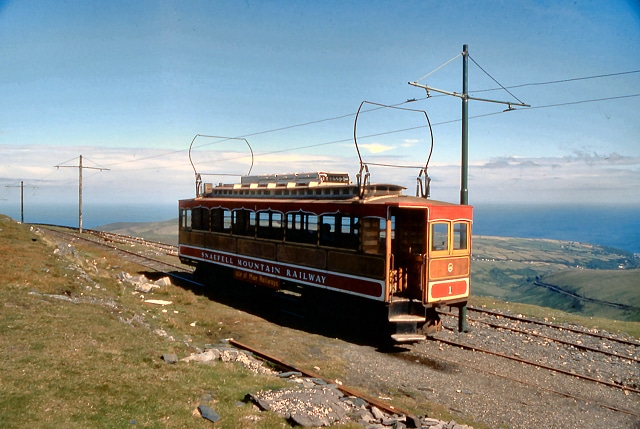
408 338
404 318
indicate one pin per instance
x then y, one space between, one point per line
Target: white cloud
161 176
376 147
410 142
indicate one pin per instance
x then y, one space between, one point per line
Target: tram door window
460 236
440 237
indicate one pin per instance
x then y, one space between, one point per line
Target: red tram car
404 255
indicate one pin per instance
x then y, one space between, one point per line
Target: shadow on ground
331 314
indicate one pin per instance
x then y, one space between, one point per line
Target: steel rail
557 340
538 365
344 389
169 249
551 325
536 386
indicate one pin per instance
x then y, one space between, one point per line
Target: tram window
226 216
302 228
243 222
339 231
327 230
221 220
216 220
200 218
460 236
185 219
270 225
349 233
346 225
439 236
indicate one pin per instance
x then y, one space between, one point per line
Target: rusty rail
344 389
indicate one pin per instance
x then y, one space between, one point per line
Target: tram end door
409 252
408 271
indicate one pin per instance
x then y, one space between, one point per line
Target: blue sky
129 84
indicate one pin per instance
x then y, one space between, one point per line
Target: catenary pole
464 163
21 197
80 195
80 167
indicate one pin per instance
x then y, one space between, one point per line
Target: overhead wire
551 82
288 127
425 126
391 131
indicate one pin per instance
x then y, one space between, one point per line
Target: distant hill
575 277
164 232
581 278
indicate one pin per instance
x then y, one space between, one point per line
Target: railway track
115 242
591 356
586 355
578 330
600 343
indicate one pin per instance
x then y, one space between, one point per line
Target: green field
587 279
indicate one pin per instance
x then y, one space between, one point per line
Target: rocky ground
488 389
481 386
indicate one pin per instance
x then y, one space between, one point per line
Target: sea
616 226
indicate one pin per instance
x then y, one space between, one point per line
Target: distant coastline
616 226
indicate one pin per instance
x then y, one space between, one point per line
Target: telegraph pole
80 167
21 197
464 163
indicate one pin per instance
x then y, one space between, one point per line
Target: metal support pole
464 165
464 191
80 196
22 201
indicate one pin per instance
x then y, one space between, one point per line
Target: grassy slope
97 363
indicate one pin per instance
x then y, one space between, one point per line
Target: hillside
164 231
574 277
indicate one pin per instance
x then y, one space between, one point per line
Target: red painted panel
449 289
294 273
